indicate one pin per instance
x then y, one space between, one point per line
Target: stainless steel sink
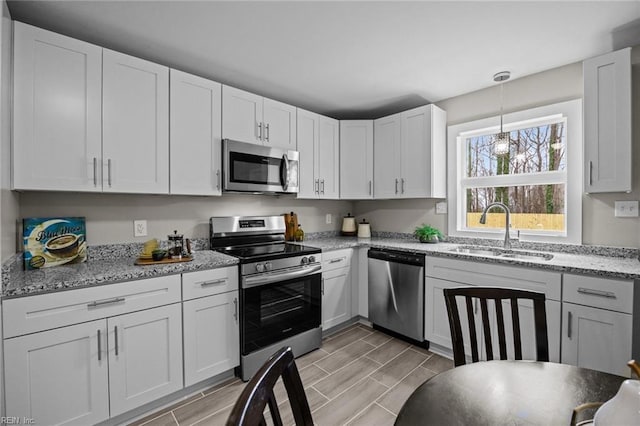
501 253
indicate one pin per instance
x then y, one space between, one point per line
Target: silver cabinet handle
95 171
370 187
235 313
266 132
322 288
569 321
396 185
317 186
590 173
99 346
599 293
402 185
213 282
218 179
109 171
259 130
336 260
322 182
115 334
105 302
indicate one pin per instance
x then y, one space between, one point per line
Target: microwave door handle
284 172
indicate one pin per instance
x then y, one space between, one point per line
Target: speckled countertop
112 264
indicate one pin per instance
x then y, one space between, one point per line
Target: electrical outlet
626 209
139 228
328 218
441 207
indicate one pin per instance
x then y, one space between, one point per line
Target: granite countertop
609 262
17 282
113 264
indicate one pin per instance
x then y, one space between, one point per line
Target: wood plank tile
438 363
344 339
340 410
377 338
346 377
309 376
164 420
209 404
165 410
221 385
396 397
308 359
344 356
373 415
315 399
387 351
391 373
217 419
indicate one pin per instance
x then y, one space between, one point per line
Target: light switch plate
626 209
139 228
441 207
328 218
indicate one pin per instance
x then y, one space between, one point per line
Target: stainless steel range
280 287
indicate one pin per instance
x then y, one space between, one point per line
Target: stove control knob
312 259
268 266
304 260
259 267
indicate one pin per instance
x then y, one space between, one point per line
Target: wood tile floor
360 376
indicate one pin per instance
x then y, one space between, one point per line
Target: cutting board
140 261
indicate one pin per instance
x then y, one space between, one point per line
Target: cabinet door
135 125
607 122
57 112
328 158
336 297
211 336
307 130
279 124
596 338
356 159
242 116
196 135
386 157
58 376
145 356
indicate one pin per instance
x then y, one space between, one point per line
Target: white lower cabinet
58 376
211 336
145 356
336 287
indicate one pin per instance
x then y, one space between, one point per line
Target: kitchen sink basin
502 253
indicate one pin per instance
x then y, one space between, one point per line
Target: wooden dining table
506 392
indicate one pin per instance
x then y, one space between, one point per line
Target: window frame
571 113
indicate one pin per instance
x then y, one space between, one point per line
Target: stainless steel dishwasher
396 292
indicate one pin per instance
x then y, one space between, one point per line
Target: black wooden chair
258 393
483 294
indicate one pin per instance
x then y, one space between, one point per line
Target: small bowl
158 254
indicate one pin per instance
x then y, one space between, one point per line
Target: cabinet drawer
336 259
494 275
36 313
210 282
605 293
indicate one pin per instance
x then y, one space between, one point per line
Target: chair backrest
482 294
258 393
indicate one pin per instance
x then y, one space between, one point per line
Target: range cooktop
252 253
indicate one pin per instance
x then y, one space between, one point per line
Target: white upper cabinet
57 112
356 159
135 128
410 154
387 156
319 147
247 117
195 135
607 122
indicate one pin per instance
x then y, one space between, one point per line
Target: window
537 174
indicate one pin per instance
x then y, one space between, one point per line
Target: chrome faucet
483 220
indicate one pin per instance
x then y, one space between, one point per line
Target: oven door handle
276 276
284 172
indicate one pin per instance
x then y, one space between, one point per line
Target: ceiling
347 59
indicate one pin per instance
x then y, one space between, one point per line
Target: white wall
110 216
9 201
600 227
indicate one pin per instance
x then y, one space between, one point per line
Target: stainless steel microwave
248 167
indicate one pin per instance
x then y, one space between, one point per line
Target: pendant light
502 141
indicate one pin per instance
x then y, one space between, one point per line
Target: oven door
277 310
255 168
